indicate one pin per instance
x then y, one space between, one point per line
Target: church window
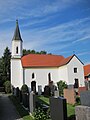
49 77
33 75
75 70
16 50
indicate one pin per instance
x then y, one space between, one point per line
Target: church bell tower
16 65
17 43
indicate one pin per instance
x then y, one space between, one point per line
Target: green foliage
78 100
5 66
61 86
24 88
39 114
26 52
70 110
7 86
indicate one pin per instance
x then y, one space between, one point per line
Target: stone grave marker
71 86
85 98
39 89
82 112
31 102
70 95
56 93
58 108
14 91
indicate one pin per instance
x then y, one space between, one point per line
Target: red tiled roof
66 60
37 60
86 70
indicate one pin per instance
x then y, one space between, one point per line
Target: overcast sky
59 27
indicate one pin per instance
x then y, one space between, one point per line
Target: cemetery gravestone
88 85
14 92
85 98
47 91
82 112
39 90
58 108
70 86
68 93
56 93
31 102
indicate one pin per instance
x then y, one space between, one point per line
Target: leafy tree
6 64
61 86
26 52
1 72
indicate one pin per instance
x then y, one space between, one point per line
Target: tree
26 52
6 64
1 72
61 86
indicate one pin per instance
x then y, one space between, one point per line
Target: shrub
61 86
39 114
7 86
24 88
78 100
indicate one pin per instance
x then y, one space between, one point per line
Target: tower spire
17 35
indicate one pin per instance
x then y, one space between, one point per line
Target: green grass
22 112
70 108
44 99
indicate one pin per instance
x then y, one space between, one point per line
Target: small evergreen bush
24 88
7 86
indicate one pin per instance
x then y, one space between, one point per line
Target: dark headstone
20 96
58 108
25 99
17 92
47 91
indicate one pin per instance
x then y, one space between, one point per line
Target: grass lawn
44 99
70 108
22 112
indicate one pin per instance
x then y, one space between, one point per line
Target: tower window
16 50
75 70
33 75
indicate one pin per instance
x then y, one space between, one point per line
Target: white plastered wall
75 63
41 76
63 73
16 73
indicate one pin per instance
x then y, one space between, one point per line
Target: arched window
49 77
33 75
16 50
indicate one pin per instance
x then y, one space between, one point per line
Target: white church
38 70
